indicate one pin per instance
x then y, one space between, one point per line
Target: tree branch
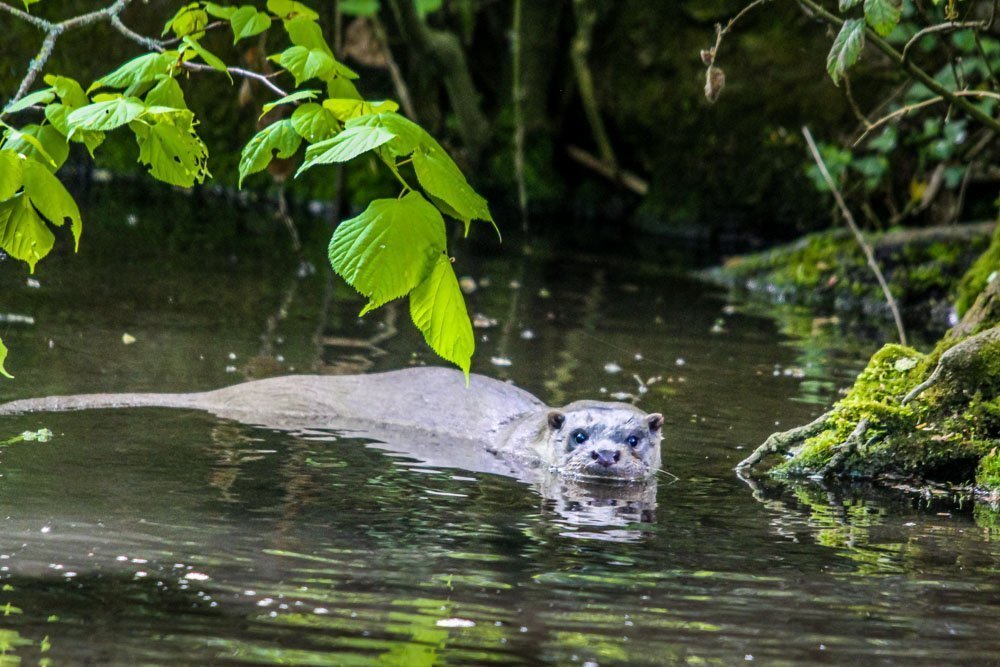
948 26
919 105
869 255
52 33
917 73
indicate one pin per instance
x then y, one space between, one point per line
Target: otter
430 414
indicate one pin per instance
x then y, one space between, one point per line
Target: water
159 536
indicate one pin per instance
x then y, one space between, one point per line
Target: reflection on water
159 536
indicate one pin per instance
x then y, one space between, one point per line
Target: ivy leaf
389 249
314 122
51 199
883 15
220 11
23 234
347 145
171 149
166 93
10 174
138 70
366 8
212 60
288 99
38 97
3 348
442 178
438 310
106 115
247 22
848 4
288 9
846 48
44 144
277 138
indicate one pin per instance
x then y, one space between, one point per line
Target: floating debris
481 321
33 283
127 339
612 367
468 284
455 623
500 361
527 334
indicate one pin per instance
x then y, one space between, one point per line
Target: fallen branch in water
622 177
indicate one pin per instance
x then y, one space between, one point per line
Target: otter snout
606 457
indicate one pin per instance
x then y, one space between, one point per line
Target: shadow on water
164 536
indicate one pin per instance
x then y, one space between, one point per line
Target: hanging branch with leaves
395 248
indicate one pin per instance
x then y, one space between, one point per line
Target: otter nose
606 457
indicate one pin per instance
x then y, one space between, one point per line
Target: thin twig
940 27
853 104
869 255
920 105
398 82
518 101
721 31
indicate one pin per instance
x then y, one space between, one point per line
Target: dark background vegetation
729 175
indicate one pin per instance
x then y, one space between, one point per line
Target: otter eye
580 437
632 441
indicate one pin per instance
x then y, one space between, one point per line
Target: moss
982 272
988 472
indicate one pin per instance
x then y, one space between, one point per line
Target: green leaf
107 115
166 93
314 122
438 310
27 4
848 4
441 177
409 135
189 20
38 97
846 48
3 348
51 199
340 87
10 174
304 31
220 11
288 9
69 90
389 249
288 99
23 234
58 115
277 138
247 22
367 8
346 109
212 60
305 63
347 145
883 15
173 152
44 144
425 7
138 70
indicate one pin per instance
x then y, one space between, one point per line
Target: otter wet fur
430 414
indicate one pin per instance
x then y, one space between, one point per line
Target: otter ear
655 421
556 420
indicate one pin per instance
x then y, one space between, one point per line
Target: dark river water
160 536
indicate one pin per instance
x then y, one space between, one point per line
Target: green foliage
396 247
883 15
3 358
846 48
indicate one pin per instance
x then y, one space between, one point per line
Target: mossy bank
914 416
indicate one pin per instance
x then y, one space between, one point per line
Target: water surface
156 536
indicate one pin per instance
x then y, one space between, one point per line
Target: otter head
598 441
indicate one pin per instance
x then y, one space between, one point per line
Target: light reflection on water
169 536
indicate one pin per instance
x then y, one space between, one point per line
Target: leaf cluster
395 248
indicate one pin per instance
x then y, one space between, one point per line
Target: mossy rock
925 269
